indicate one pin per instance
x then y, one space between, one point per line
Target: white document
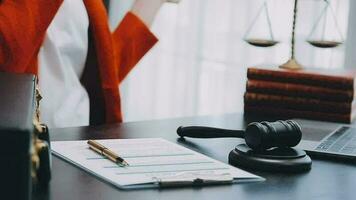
153 162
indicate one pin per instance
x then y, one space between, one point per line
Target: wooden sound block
287 160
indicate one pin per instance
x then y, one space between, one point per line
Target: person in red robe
110 55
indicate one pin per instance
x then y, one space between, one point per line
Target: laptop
328 139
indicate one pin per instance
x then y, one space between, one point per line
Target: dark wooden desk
326 180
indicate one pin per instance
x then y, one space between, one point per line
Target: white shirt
61 63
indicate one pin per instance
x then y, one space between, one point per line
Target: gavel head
264 135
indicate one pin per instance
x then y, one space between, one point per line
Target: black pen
107 153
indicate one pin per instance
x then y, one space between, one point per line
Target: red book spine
299 90
287 113
293 103
313 78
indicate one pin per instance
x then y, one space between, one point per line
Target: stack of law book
318 94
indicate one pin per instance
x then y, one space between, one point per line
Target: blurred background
199 65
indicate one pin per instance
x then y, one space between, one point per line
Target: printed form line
191 163
183 170
167 155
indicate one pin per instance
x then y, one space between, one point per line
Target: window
199 65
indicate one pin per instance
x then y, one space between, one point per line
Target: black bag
24 142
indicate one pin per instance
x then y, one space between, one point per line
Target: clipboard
154 163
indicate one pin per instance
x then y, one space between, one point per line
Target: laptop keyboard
342 141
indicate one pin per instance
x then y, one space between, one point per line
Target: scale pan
261 42
324 43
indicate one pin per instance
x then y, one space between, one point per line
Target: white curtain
199 65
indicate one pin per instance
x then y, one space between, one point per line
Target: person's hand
146 10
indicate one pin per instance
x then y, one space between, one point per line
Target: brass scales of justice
292 63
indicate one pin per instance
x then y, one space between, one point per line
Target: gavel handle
208 132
